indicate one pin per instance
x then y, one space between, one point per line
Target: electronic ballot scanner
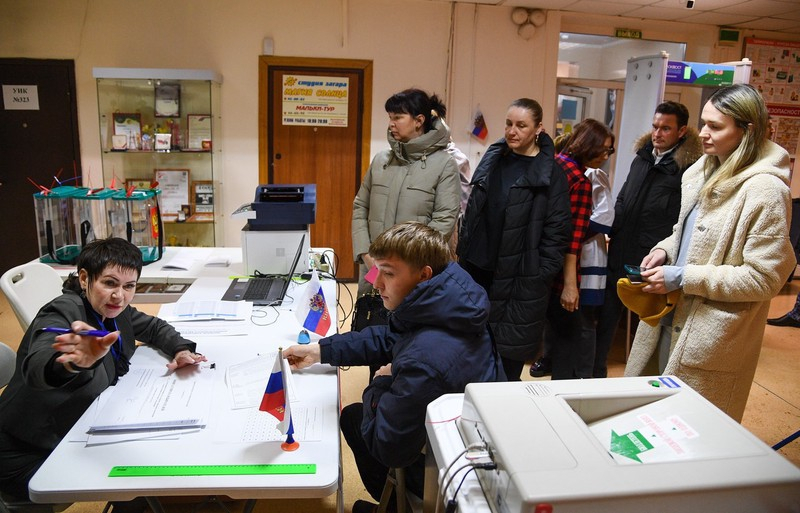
618 445
278 220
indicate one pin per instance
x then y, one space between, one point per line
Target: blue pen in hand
303 337
64 331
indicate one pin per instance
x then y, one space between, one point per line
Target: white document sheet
183 261
149 398
248 426
248 380
194 329
206 311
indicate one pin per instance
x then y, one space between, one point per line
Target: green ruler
212 470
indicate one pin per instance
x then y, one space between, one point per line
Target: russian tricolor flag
312 311
275 401
479 129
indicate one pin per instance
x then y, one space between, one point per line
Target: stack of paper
150 398
206 311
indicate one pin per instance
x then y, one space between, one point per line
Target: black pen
64 331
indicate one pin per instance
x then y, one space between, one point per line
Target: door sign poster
21 97
315 101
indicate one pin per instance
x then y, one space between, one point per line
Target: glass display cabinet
161 125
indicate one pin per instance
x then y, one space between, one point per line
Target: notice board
776 74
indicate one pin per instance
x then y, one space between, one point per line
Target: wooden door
38 138
332 157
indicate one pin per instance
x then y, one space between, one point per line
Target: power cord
489 465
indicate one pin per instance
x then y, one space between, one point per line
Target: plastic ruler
212 470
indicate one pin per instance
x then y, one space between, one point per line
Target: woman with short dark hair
57 377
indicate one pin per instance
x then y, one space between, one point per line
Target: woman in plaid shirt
588 146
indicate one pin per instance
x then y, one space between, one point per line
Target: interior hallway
772 414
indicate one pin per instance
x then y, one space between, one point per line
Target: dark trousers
607 322
585 351
373 473
564 333
19 461
512 368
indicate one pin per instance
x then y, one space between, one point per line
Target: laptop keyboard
263 288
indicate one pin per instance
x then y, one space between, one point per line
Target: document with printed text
151 398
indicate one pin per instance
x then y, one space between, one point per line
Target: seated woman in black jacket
57 377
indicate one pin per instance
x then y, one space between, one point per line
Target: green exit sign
628 33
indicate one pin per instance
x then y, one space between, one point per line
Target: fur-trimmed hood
690 147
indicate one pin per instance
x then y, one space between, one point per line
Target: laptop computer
266 290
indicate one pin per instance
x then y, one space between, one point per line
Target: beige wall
407 41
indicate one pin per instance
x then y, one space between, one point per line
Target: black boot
786 320
792 318
541 367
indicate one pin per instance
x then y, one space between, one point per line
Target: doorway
38 140
329 149
579 99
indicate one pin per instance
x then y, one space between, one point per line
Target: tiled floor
772 414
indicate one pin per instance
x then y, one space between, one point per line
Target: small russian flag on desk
275 402
312 311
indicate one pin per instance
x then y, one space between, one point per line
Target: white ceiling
774 15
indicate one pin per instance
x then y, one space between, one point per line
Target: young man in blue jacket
435 343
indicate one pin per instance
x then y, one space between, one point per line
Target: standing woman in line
571 356
515 231
414 180
729 254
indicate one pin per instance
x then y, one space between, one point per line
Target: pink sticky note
371 274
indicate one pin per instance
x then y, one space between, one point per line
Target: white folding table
77 472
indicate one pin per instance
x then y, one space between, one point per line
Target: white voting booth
645 82
606 445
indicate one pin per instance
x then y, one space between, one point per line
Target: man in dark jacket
646 208
436 342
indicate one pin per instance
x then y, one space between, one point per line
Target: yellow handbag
649 307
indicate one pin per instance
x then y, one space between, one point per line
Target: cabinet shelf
188 221
148 152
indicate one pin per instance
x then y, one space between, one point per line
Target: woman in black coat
515 232
57 377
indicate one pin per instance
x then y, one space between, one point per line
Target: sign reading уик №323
315 101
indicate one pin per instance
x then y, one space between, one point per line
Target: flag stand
290 445
276 401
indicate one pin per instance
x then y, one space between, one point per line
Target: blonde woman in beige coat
729 254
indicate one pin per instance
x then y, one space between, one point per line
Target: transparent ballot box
136 217
55 225
90 209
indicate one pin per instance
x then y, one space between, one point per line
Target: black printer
283 207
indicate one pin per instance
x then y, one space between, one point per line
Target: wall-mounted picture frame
198 130
174 185
138 183
167 101
203 197
128 124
